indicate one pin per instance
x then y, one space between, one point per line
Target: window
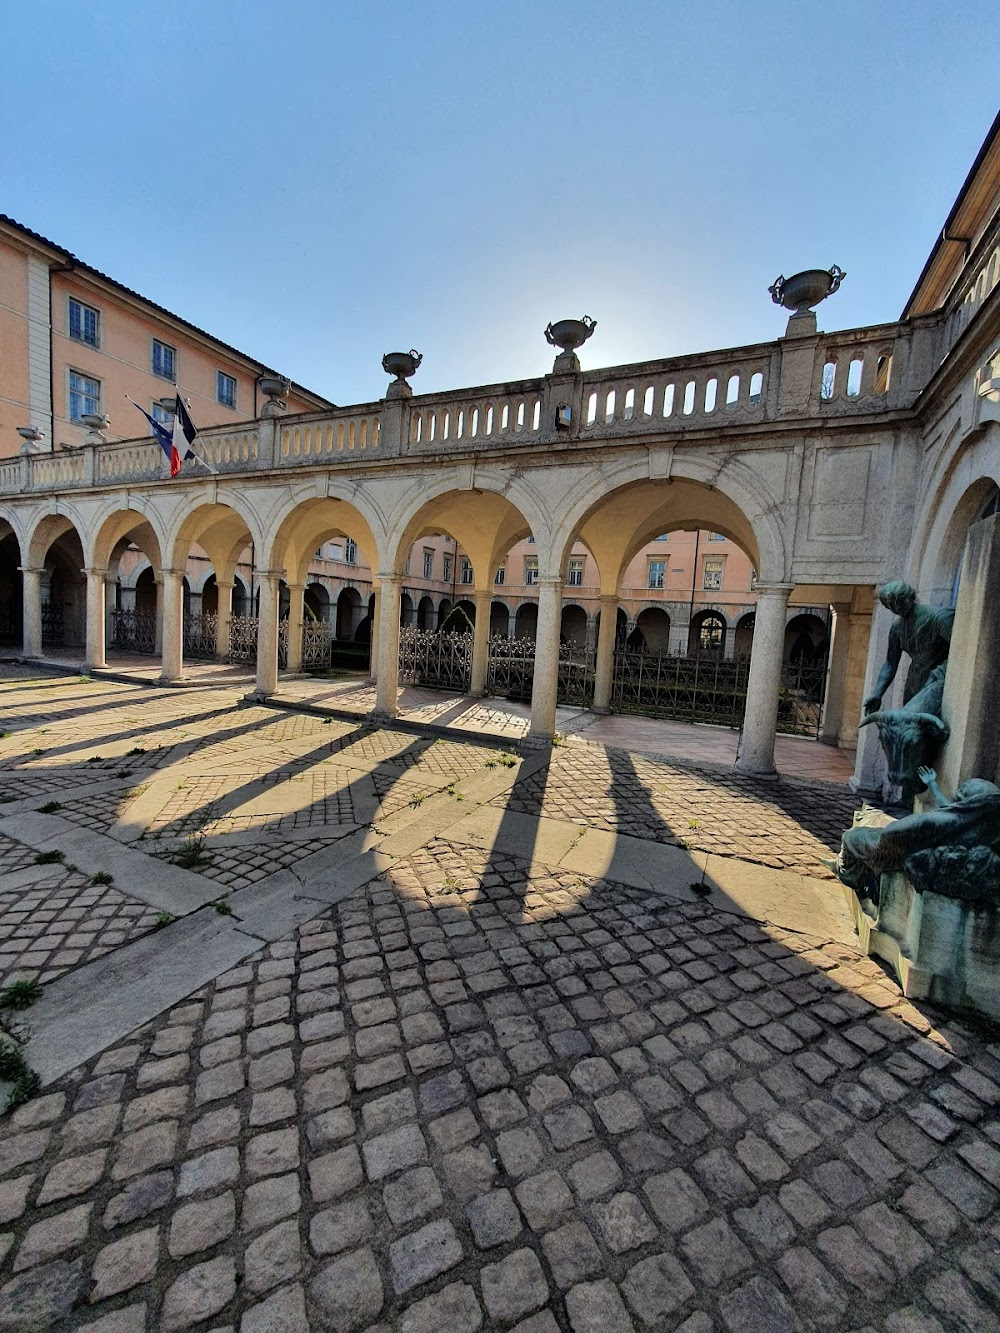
84 396
715 537
501 574
466 574
350 551
162 414
753 579
428 563
712 575
657 573
225 389
406 567
574 575
319 554
530 569
336 552
530 540
447 559
663 537
84 323
164 360
711 635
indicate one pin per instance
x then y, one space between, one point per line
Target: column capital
171 574
483 595
549 581
225 583
296 587
31 569
95 571
271 575
774 589
395 579
609 599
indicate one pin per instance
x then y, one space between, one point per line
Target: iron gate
134 631
53 624
702 688
200 635
317 644
435 658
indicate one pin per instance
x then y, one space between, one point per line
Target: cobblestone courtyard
351 1029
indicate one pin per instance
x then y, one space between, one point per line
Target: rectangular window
663 537
225 389
350 551
501 574
530 569
466 575
84 396
712 575
574 575
164 360
657 573
336 553
162 414
447 568
716 537
84 323
530 540
428 563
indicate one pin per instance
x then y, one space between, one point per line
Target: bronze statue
922 631
950 850
911 734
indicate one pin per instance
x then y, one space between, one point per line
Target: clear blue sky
320 182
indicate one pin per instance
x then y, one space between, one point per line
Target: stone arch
698 494
805 634
959 485
306 522
425 613
498 498
499 619
743 638
316 601
11 588
526 621
406 610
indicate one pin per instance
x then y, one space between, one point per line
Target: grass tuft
20 995
49 808
15 1069
52 858
223 908
102 877
163 919
191 855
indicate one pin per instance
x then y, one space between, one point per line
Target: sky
321 182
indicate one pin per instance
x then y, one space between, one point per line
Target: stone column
128 598
729 643
373 636
481 645
859 628
545 682
223 615
267 631
836 673
869 761
172 652
97 611
763 686
31 597
390 588
604 669
590 641
158 627
296 613
512 624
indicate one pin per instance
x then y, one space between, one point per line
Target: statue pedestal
942 949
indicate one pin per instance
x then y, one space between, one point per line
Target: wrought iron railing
317 644
511 668
200 635
134 631
53 624
800 703
702 688
439 660
242 638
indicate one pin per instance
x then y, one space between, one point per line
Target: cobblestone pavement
787 825
476 1092
523 1101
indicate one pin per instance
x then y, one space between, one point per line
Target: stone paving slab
471 1096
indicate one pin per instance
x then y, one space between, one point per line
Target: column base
257 696
381 716
601 712
765 775
476 694
532 741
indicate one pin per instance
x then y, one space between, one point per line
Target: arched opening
499 619
707 635
425 613
56 548
654 625
444 610
985 502
526 621
805 639
406 613
743 638
349 613
573 626
127 545
363 630
11 603
316 602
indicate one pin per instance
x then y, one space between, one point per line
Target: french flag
176 444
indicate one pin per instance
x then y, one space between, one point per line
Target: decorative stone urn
802 291
275 388
402 365
569 334
96 423
32 438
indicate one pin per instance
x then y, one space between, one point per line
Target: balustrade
485 417
315 441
